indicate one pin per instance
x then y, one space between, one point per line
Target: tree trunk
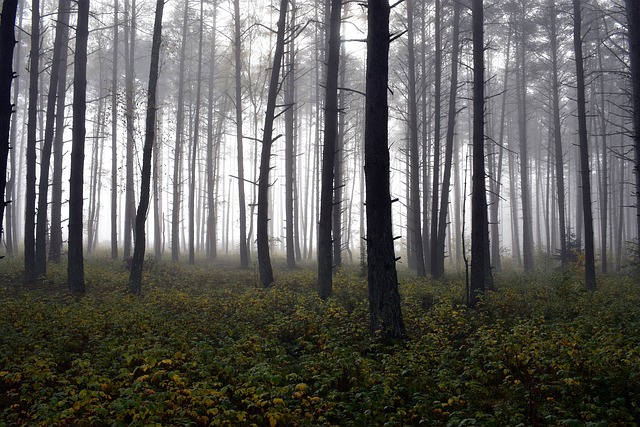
527 211
414 155
589 261
135 277
211 160
75 267
436 143
129 48
114 136
7 44
289 161
262 232
30 272
244 250
175 213
384 297
194 149
325 262
437 267
62 28
633 28
480 267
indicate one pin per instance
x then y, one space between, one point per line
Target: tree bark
414 155
481 278
262 232
114 135
384 297
435 194
75 267
325 262
237 47
135 277
7 44
129 47
633 29
589 262
30 272
437 267
289 118
211 160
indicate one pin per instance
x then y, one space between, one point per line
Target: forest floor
205 346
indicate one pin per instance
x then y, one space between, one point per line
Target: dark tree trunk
75 268
30 272
437 267
62 29
480 267
262 232
135 277
114 136
633 28
557 133
436 143
589 261
177 160
325 262
289 118
244 250
194 149
7 44
414 156
129 207
384 297
211 161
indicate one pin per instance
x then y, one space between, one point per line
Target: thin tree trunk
414 155
384 297
633 28
129 48
589 262
194 149
480 267
30 271
114 135
325 263
75 267
244 250
7 44
289 161
211 169
436 143
262 232
437 267
135 277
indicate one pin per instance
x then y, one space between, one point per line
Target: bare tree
481 278
59 50
589 261
75 267
262 232
7 44
114 135
384 297
325 261
30 272
135 277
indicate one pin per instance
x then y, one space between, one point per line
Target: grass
206 346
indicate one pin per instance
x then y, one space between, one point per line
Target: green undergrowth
205 346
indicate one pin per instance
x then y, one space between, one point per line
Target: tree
437 264
75 268
325 261
237 50
414 155
59 50
30 272
384 297
262 232
135 277
481 278
633 29
435 193
7 43
114 135
589 261
194 148
129 59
